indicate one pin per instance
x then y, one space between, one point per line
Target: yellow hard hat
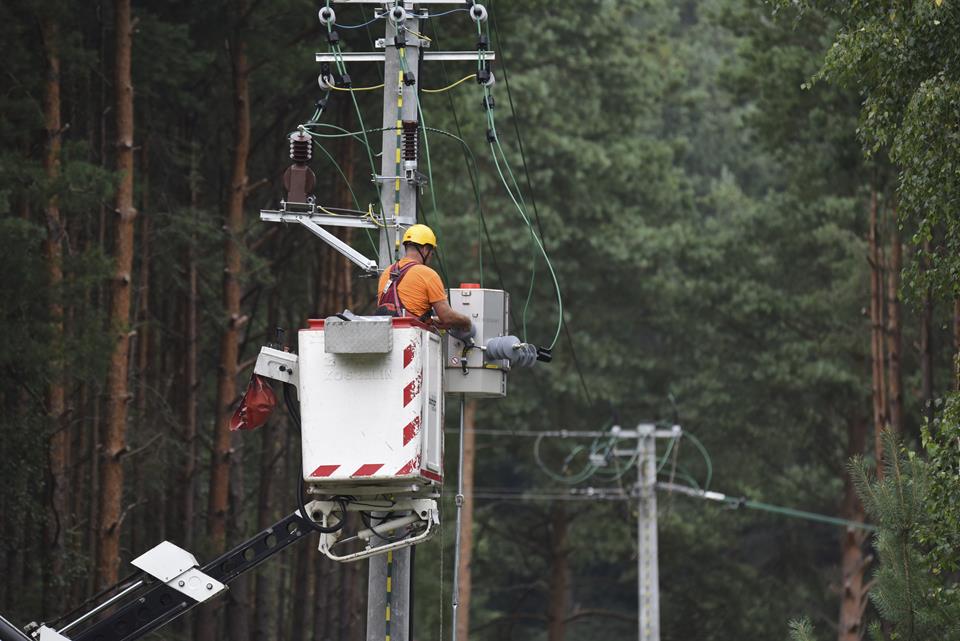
421 235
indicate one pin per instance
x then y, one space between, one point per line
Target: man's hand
464 335
450 319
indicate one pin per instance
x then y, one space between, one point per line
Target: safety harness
389 303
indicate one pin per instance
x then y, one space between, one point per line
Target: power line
473 179
604 494
737 502
533 198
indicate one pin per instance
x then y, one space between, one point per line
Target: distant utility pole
390 574
648 572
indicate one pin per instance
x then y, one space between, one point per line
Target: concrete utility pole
648 570
648 579
390 575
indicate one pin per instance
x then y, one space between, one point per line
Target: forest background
750 209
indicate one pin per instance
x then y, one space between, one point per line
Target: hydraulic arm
168 585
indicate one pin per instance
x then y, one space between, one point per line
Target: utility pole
644 454
399 181
648 579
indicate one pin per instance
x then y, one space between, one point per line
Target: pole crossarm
381 2
313 221
379 56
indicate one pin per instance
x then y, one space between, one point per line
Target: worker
409 287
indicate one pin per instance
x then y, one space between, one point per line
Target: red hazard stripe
411 390
324 471
433 476
409 468
408 353
411 429
368 469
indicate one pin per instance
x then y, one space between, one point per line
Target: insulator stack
301 149
411 139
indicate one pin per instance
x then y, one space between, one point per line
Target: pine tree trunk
230 333
926 341
141 533
118 398
59 448
466 537
877 331
190 397
559 602
853 601
894 331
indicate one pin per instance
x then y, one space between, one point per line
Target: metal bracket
310 222
278 365
44 633
378 56
292 212
422 511
381 43
178 569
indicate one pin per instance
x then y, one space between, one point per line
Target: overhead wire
370 88
474 179
450 86
358 26
516 198
501 45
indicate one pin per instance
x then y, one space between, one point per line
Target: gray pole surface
398 197
388 602
459 501
648 580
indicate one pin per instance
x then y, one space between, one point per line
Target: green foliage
900 57
801 630
908 593
939 534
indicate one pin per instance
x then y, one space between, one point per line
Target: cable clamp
398 14
485 77
327 15
478 12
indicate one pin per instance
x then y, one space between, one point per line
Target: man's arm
448 318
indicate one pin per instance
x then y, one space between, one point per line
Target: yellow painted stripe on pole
388 613
389 584
398 154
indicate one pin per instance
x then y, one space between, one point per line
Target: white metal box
372 418
469 373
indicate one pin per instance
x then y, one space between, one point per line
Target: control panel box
468 371
371 403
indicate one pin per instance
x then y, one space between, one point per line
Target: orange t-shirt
420 288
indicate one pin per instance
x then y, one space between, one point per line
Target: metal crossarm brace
313 222
378 56
162 604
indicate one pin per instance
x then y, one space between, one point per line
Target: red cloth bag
255 406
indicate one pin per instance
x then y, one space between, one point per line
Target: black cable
294 413
533 196
513 112
473 179
366 518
